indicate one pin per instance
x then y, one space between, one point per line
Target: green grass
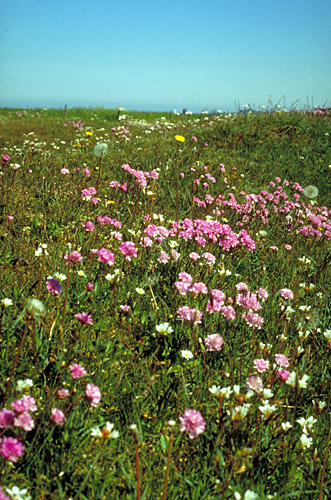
143 378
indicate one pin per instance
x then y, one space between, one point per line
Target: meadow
165 305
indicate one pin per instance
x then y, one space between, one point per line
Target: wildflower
125 308
6 302
64 171
84 317
306 441
180 138
26 403
307 423
286 293
107 432
106 256
186 354
281 360
254 383
311 191
293 380
283 375
261 365
267 409
128 249
24 421
57 416
77 371
194 256
192 422
286 426
253 320
62 394
163 257
6 418
54 286
17 494
93 394
89 286
100 149
140 291
186 314
214 342
89 226
2 495
74 257
11 448
164 328
36 308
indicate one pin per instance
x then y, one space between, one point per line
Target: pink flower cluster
141 177
192 422
73 257
214 342
186 314
106 256
54 286
88 193
128 248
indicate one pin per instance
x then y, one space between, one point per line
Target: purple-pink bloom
57 416
106 256
125 308
77 370
253 320
89 286
26 403
84 317
192 422
128 248
11 448
214 342
286 293
89 226
62 394
261 365
24 421
281 360
3 496
93 394
6 418
54 286
283 375
254 383
74 257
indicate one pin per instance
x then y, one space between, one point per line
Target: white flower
216 390
311 191
36 308
187 354
140 291
321 405
306 424
107 431
250 495
164 328
81 273
23 384
286 426
306 441
267 394
17 494
327 334
6 302
267 409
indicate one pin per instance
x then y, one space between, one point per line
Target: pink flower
194 256
199 287
6 418
253 320
93 394
89 286
54 286
64 171
283 375
57 416
3 496
286 293
210 258
73 257
261 365
281 360
214 342
77 371
84 317
163 257
194 138
128 248
186 314
288 247
192 422
254 383
89 226
106 256
27 403
62 394
125 308
262 294
24 421
146 242
228 312
11 448
86 172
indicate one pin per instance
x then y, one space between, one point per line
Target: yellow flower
88 132
180 138
110 202
76 146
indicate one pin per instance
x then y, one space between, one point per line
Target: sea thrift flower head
6 418
62 394
192 422
254 383
89 226
214 342
106 256
261 365
93 394
77 371
286 293
73 257
89 286
57 416
128 248
24 421
253 320
54 286
281 360
25 404
84 317
11 448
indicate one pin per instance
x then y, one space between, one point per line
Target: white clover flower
17 494
6 302
141 291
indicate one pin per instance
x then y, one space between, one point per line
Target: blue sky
164 54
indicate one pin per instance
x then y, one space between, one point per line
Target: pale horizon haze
149 55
